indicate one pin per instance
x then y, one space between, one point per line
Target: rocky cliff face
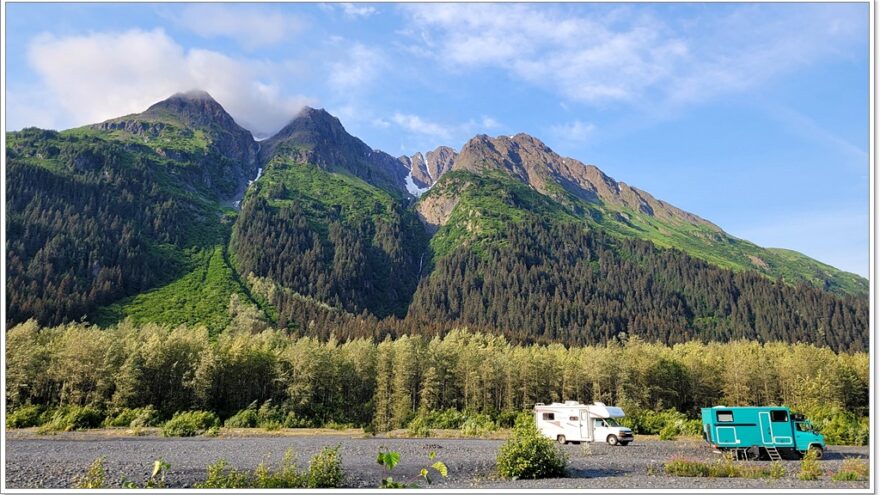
317 137
533 162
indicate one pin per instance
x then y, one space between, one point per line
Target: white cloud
357 10
98 76
450 134
418 125
575 131
249 26
622 56
358 67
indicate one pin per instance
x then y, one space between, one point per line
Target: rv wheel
817 449
612 440
561 439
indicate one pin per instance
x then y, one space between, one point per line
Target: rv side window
779 416
724 416
548 416
572 418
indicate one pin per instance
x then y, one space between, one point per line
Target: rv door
586 426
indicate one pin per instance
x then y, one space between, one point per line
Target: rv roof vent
571 403
599 403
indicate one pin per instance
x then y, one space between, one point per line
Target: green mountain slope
632 213
509 259
323 231
105 212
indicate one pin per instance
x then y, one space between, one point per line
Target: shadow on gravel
830 455
594 473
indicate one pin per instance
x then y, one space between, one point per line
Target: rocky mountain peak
315 136
193 108
427 168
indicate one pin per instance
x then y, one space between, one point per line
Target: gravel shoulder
34 461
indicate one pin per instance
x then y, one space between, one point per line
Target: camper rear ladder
773 452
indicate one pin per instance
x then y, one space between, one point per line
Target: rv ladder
740 454
773 452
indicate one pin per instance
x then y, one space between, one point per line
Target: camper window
779 416
548 416
572 418
724 416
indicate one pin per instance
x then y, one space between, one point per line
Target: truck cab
806 436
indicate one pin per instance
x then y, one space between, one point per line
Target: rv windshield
611 422
804 426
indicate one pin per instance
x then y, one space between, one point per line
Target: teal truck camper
760 432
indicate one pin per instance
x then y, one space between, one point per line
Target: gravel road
53 462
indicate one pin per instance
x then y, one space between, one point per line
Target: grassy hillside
489 201
199 297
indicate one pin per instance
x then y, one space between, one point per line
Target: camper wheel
817 449
561 439
612 440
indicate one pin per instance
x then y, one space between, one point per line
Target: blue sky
754 116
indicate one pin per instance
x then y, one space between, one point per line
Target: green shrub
333 425
840 427
724 468
418 427
648 422
286 477
270 425
852 470
270 415
246 418
133 418
447 419
777 470
95 477
71 418
677 425
528 454
670 432
218 477
325 469
25 416
478 425
810 469
506 419
291 420
190 423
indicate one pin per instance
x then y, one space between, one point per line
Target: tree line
386 384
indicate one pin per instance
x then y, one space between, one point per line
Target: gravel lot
55 461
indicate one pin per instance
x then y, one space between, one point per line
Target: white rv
572 421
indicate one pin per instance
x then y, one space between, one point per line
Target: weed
852 470
810 469
95 477
389 459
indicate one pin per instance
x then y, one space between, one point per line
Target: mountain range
178 215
